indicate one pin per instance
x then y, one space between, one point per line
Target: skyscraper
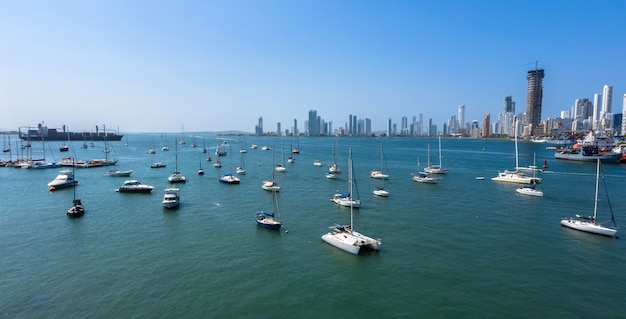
509 105
624 116
295 127
607 97
534 97
314 129
597 107
461 118
258 129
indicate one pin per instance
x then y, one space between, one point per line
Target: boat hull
608 157
588 227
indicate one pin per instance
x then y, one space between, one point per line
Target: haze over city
144 66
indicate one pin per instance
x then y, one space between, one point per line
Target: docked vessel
42 132
595 145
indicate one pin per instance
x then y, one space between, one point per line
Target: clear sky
159 66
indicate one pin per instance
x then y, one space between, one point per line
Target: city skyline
217 66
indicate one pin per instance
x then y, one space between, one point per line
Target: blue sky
156 66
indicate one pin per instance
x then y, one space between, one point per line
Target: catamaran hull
588 227
330 239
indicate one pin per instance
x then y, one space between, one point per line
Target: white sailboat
241 169
381 173
345 237
176 177
271 185
516 176
588 223
348 199
280 167
380 190
435 169
423 177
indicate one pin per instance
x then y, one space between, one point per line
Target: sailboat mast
440 166
516 156
595 204
350 187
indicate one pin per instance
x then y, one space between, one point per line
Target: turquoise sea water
460 249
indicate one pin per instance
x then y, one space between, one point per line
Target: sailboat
151 150
229 178
200 170
176 177
241 169
296 149
77 208
588 223
345 237
333 167
203 145
280 167
271 185
435 169
380 190
380 174
423 177
348 199
516 176
272 219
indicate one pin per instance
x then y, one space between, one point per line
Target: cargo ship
42 132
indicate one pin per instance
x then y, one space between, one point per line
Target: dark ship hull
51 134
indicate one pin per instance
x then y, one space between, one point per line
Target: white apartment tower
607 96
461 117
597 99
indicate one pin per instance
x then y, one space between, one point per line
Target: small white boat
480 178
229 179
151 151
217 164
435 169
270 186
265 148
119 173
134 186
331 175
158 165
280 167
171 197
240 170
165 148
317 163
379 175
65 179
422 177
379 191
176 177
529 190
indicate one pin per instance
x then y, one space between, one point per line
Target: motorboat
134 186
229 179
379 175
65 179
158 165
119 173
171 197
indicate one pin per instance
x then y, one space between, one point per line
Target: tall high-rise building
404 126
278 129
509 105
258 129
295 127
534 97
624 116
313 129
461 118
605 114
486 125
368 127
597 108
